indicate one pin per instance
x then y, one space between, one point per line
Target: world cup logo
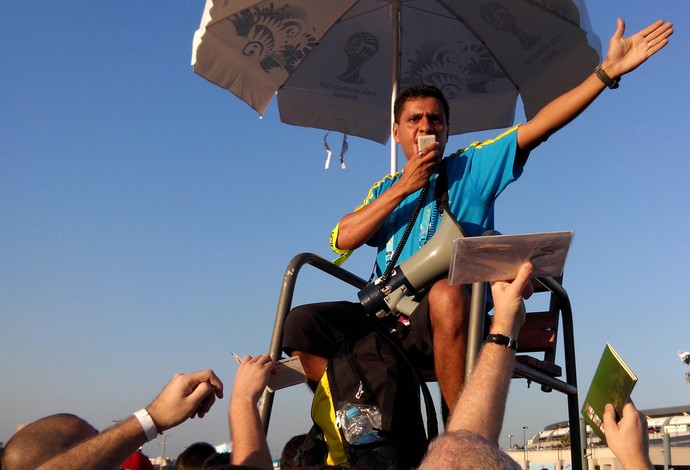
499 17
359 47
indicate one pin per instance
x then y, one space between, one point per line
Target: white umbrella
338 64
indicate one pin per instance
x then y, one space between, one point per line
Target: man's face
420 116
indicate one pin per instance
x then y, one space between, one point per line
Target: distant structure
669 439
684 357
675 421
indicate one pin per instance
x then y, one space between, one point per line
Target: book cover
613 383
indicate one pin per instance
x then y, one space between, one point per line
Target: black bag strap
431 418
313 445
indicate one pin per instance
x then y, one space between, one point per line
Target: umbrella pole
395 74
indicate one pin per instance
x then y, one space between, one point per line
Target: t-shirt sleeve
374 192
492 166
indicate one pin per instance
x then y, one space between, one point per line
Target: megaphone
382 298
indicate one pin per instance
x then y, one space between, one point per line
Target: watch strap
502 340
612 83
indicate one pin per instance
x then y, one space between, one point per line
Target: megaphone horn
428 264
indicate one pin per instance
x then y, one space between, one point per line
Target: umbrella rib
434 13
474 33
553 12
403 5
353 17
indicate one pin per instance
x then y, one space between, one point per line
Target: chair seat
547 367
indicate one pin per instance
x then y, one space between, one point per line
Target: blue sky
146 218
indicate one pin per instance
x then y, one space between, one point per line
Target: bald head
43 439
464 450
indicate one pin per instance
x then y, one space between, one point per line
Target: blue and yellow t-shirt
476 176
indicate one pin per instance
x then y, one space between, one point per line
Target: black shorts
322 328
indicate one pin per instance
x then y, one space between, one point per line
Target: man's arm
185 396
628 438
481 405
249 446
356 228
624 56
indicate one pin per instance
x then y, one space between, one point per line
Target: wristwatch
612 83
502 340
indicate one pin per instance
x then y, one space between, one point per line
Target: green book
613 383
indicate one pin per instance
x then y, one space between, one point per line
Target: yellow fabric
323 414
480 144
345 254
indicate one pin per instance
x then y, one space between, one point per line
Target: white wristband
147 423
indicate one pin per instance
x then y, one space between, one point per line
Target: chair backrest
539 334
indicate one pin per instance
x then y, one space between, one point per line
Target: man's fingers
523 276
656 36
205 405
620 29
216 384
629 409
264 358
205 396
609 416
205 376
652 28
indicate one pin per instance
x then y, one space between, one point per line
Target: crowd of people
434 335
470 440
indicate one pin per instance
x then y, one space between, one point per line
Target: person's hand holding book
628 438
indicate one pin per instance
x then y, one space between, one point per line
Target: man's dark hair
288 456
296 455
193 457
419 91
218 461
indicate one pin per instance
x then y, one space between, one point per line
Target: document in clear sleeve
499 257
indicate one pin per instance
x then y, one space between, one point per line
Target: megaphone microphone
396 294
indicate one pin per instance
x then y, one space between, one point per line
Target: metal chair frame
559 302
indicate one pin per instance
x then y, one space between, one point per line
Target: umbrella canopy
338 64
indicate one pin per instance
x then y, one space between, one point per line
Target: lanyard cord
441 205
391 264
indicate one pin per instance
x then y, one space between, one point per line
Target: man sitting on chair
437 332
